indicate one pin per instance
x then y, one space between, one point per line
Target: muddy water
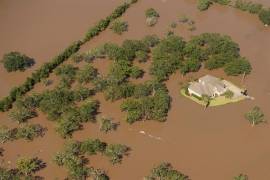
206 145
41 29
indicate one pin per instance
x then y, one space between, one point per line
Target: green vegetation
72 157
44 71
264 16
119 27
116 152
166 171
15 61
255 116
228 94
244 5
148 107
87 74
27 132
106 125
241 177
166 57
204 4
27 166
206 100
151 12
238 66
249 6
151 16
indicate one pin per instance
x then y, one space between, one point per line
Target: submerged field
206 145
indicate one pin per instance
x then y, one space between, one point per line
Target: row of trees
47 68
244 5
72 157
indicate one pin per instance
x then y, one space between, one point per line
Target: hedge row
47 68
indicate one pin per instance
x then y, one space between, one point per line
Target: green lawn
218 101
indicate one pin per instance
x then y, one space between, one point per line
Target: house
207 85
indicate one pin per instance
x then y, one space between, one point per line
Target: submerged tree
241 177
27 166
255 116
165 171
15 61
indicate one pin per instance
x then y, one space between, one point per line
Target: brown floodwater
217 143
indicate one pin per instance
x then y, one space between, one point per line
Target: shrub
119 27
229 94
264 16
15 61
81 93
151 12
166 171
203 4
106 125
255 116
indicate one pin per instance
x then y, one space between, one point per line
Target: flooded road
217 143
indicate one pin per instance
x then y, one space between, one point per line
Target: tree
15 61
241 177
151 12
142 56
116 152
93 146
255 116
87 74
264 16
238 66
166 171
206 100
119 27
88 111
106 125
66 71
203 4
151 40
27 166
229 94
